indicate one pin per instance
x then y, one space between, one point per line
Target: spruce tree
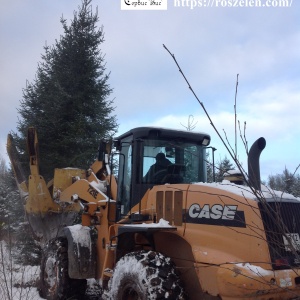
222 167
14 227
68 102
209 168
285 182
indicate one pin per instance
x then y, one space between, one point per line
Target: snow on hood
247 267
245 191
160 224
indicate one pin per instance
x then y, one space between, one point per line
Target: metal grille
169 206
282 226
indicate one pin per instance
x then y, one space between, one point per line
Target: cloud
210 53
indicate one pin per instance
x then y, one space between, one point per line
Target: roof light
205 141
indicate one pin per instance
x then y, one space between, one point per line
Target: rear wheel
55 282
145 276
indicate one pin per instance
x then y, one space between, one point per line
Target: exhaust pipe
253 163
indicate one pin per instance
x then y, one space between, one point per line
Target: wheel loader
155 229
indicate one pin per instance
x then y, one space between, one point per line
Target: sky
258 40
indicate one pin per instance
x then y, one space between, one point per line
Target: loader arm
32 147
49 211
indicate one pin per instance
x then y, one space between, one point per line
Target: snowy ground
18 282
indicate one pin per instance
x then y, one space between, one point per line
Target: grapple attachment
46 215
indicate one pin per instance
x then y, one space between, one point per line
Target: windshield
166 161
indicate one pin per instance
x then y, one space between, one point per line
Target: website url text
232 3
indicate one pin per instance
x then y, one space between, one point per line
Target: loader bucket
46 217
47 226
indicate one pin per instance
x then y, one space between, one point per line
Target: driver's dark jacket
155 168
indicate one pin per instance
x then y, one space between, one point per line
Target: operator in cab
158 170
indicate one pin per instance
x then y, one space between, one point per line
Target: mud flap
81 252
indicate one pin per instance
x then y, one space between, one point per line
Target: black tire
55 283
144 276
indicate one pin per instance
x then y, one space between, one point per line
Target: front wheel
55 283
144 276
